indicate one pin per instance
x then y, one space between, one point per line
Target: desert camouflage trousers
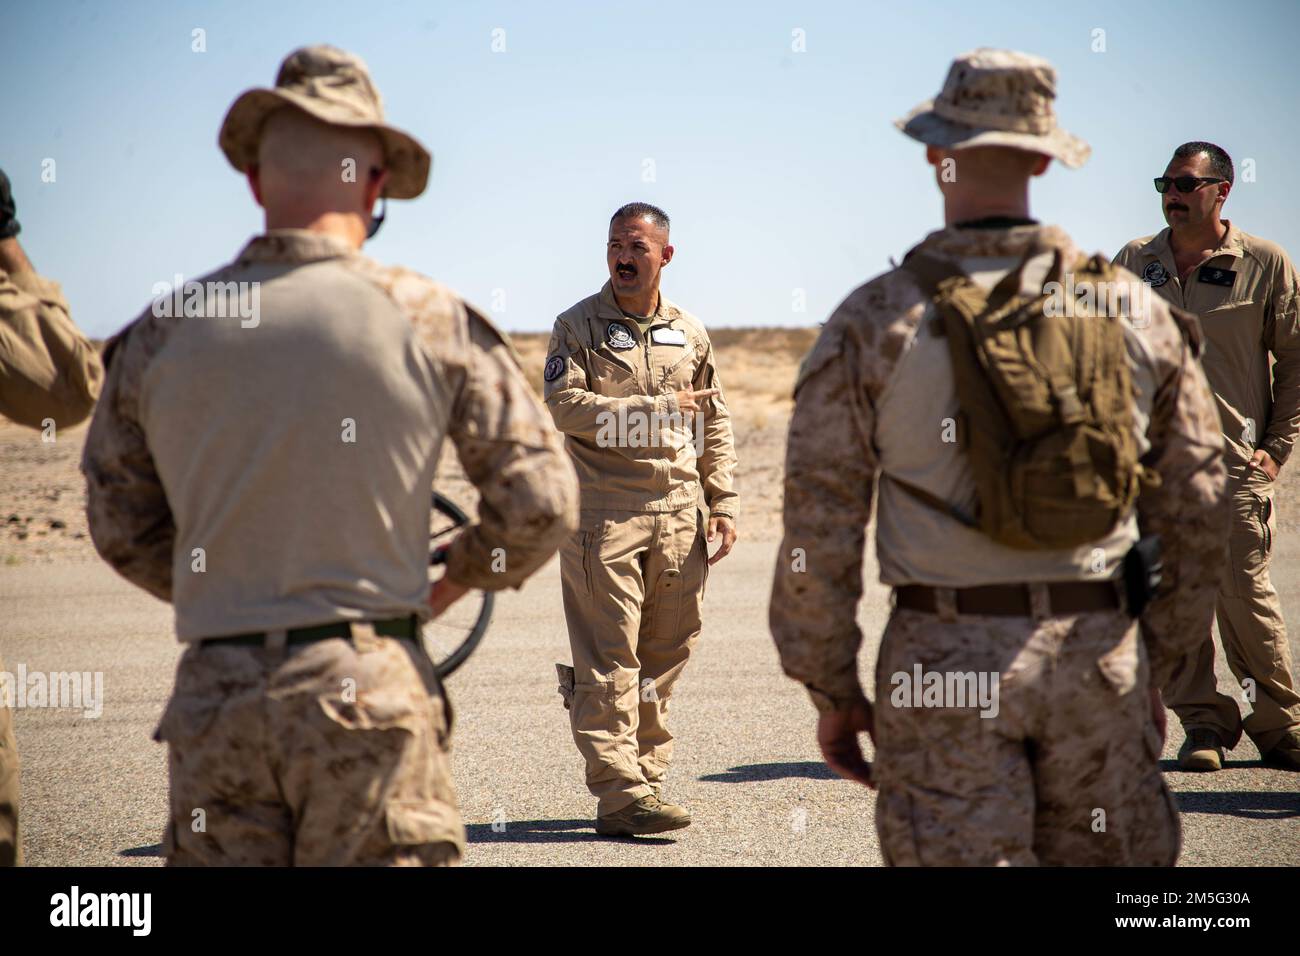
1255 641
11 848
332 753
1065 769
633 588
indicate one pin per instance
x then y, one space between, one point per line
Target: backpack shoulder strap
930 270
934 501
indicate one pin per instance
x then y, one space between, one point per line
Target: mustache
625 267
1176 205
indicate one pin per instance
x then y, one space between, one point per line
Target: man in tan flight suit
50 376
1245 291
1059 766
263 457
630 379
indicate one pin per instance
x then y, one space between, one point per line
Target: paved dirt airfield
747 765
94 790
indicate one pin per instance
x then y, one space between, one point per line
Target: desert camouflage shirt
272 468
848 427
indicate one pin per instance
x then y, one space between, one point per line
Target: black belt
1013 600
407 627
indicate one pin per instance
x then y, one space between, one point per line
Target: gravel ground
94 790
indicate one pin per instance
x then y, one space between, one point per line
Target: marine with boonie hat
272 481
1059 763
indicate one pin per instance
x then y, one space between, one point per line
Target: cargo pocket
186 718
379 711
1121 666
1250 541
401 702
667 605
413 823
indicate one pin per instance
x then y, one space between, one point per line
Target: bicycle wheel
452 638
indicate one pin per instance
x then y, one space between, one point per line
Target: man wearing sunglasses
1244 290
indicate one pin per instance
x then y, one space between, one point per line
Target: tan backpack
1046 404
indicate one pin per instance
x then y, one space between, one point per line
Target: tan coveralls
1245 294
48 370
633 576
273 475
1072 733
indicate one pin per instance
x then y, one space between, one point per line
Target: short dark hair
641 210
1220 161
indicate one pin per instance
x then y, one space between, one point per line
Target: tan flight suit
48 370
633 575
295 456
1072 733
1245 294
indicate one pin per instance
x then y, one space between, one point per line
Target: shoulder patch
555 366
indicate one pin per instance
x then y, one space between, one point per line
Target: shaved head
1004 164
303 160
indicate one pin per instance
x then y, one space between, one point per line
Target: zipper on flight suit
650 386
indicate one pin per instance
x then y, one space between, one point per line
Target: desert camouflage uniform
217 436
48 370
1074 733
1247 295
633 575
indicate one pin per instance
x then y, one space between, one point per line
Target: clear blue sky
781 170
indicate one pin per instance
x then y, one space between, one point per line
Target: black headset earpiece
377 221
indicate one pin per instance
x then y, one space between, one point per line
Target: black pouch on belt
1142 570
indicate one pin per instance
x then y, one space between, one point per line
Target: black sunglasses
1185 184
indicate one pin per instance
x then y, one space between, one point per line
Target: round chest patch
619 337
1155 275
554 368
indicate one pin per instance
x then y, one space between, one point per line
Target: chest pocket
1227 306
679 365
609 378
1232 328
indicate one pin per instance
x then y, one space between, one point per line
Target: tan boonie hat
996 98
333 86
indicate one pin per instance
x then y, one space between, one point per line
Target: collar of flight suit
609 311
1233 244
294 245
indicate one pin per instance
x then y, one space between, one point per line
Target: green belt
407 627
